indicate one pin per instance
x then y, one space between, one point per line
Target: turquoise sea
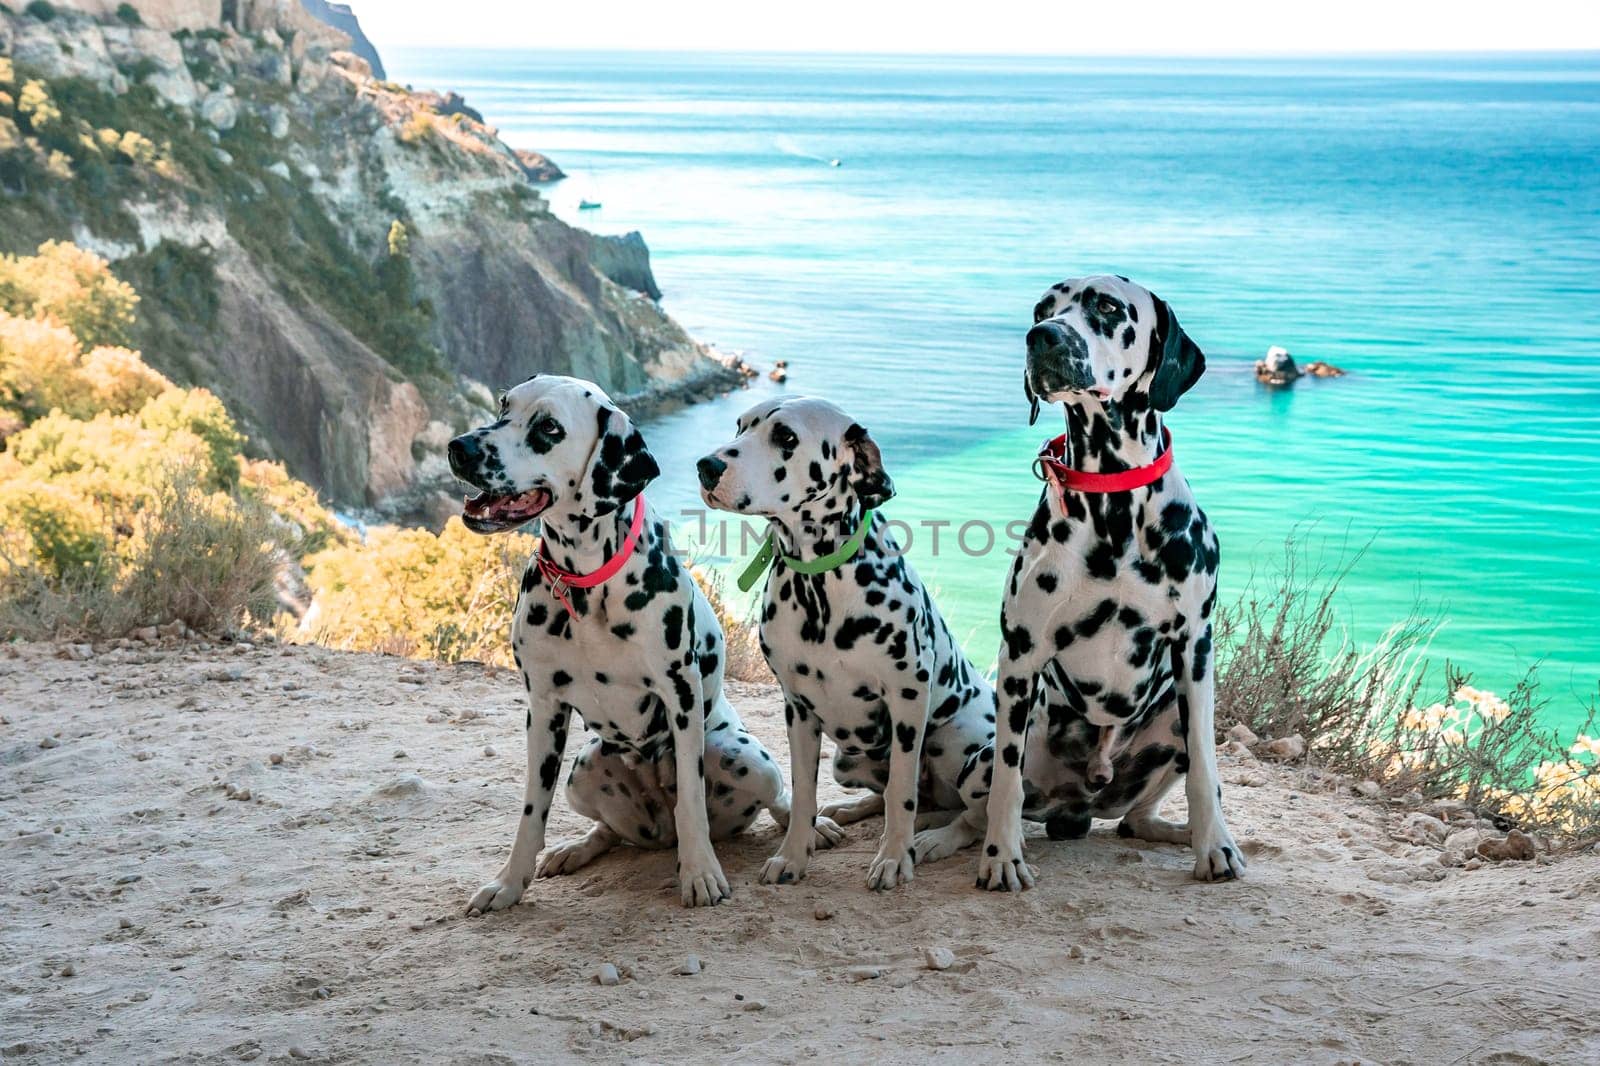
1430 224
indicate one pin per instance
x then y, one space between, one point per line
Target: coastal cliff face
351 268
343 19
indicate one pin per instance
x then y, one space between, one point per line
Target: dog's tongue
489 506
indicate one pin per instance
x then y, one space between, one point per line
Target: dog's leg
1001 867
700 876
547 739
600 787
741 779
971 777
869 805
1143 820
805 751
896 859
1216 856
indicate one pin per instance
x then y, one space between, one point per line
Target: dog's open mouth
489 512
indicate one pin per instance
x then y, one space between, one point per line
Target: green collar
769 554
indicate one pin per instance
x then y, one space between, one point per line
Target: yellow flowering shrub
72 287
410 592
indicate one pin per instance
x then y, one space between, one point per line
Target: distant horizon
1461 53
1008 28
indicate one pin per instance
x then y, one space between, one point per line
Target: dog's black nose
464 453
1047 337
710 469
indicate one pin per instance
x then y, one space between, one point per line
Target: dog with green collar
855 640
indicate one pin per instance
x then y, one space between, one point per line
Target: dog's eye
784 437
1107 306
503 402
549 428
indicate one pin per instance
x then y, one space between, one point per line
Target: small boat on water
588 205
836 162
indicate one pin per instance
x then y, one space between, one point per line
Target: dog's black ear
1179 361
621 465
1033 399
872 485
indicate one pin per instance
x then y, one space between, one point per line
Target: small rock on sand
1243 734
1286 749
823 912
864 973
1422 828
1370 789
938 958
690 966
607 975
755 1005
1515 846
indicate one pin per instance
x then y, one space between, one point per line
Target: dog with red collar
1104 698
611 627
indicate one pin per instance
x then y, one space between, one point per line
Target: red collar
560 580
1050 465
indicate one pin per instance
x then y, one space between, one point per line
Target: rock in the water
1515 846
1319 369
1277 368
538 166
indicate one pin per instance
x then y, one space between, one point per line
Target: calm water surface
1432 225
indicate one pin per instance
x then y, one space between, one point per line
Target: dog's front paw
502 892
826 833
701 881
890 867
1000 867
784 868
1216 856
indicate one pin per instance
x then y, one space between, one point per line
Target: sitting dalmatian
609 626
853 637
1106 618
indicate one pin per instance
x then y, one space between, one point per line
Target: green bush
51 527
129 15
43 10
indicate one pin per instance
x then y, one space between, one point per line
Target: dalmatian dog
638 656
861 651
1105 679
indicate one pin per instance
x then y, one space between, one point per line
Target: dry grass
740 633
201 558
1285 667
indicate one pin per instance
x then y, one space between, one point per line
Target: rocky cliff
343 19
350 267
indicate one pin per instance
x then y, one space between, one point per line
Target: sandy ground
232 854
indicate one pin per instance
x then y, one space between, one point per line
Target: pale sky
1001 27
